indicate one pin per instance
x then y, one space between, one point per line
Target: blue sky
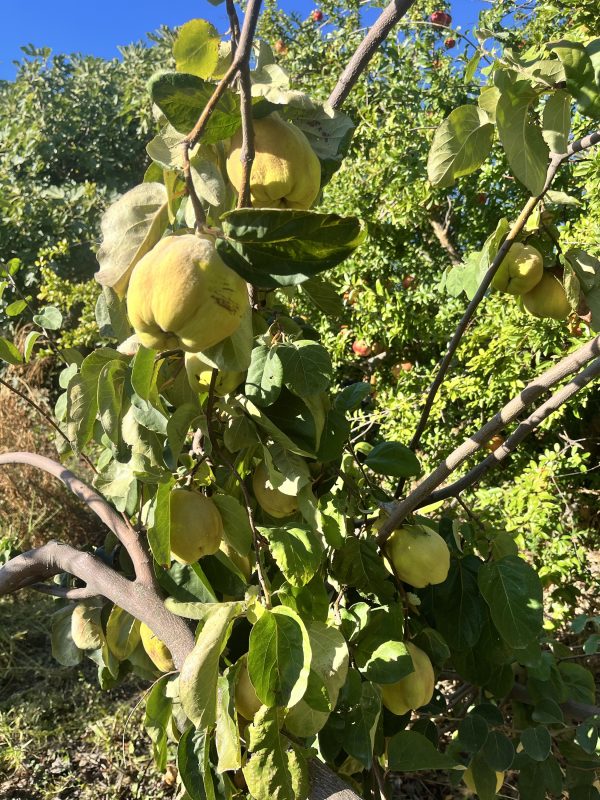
98 28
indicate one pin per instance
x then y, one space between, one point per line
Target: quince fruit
86 630
157 651
521 270
414 690
196 526
467 777
199 375
286 173
182 295
246 699
420 555
275 503
547 299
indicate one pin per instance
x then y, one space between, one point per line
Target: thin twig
513 409
247 149
234 24
391 14
555 162
65 592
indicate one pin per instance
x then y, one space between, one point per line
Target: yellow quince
182 295
414 690
521 269
420 555
199 375
196 526
271 500
547 299
157 651
246 699
285 173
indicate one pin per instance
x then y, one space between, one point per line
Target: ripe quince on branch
182 295
157 651
547 299
246 699
414 690
521 269
285 173
199 375
271 500
420 555
196 526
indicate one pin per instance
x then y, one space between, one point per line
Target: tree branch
567 366
141 601
129 538
391 14
521 432
555 162
442 236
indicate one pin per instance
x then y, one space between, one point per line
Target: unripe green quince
271 500
420 555
158 652
467 777
414 690
200 373
182 295
547 299
246 699
521 269
285 173
196 526
86 630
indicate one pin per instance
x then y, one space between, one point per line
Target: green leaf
265 376
233 354
178 426
498 751
122 633
276 433
193 765
537 743
182 98
457 605
556 121
277 769
273 247
9 353
279 657
379 650
361 724
307 367
471 67
143 372
111 382
82 407
111 315
350 398
159 524
15 308
513 591
582 82
196 48
297 551
236 527
158 714
200 671
472 732
359 564
522 139
409 751
64 649
130 228
460 145
324 297
226 735
49 318
484 778
394 459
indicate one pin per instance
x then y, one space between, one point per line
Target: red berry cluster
317 15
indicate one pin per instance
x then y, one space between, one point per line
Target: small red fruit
317 15
398 369
408 281
361 348
281 47
450 43
494 443
441 18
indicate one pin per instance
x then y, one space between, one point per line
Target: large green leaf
196 48
522 139
64 649
130 228
265 376
193 765
279 657
9 353
556 121
307 367
393 458
582 80
159 524
122 633
297 551
277 769
460 145
182 98
274 247
200 671
513 591
458 608
361 724
409 751
236 527
158 714
227 736
359 564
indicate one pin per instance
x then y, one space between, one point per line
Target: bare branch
523 430
141 601
65 592
247 149
567 366
442 236
130 539
555 162
326 785
391 14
